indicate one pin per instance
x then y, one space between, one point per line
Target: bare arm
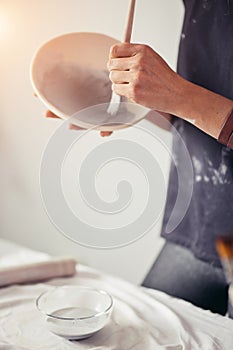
141 75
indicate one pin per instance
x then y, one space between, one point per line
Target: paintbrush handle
129 25
114 104
224 245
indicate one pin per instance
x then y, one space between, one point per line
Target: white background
24 132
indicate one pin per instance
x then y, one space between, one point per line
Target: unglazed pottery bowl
69 75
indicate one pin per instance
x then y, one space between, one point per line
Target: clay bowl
69 75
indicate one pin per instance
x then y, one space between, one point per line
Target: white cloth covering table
142 318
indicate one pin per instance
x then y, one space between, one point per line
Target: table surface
142 318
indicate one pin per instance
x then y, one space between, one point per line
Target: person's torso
206 59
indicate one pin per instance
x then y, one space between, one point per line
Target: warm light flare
3 24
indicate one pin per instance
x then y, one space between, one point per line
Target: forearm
201 107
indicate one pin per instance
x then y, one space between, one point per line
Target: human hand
50 114
141 75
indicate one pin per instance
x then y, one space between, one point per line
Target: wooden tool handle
129 26
224 245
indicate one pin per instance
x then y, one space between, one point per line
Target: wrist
179 101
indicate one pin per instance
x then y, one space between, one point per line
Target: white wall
24 25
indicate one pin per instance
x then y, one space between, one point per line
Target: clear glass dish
75 312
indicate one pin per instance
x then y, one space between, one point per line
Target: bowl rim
98 314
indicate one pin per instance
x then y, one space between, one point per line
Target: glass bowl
75 312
